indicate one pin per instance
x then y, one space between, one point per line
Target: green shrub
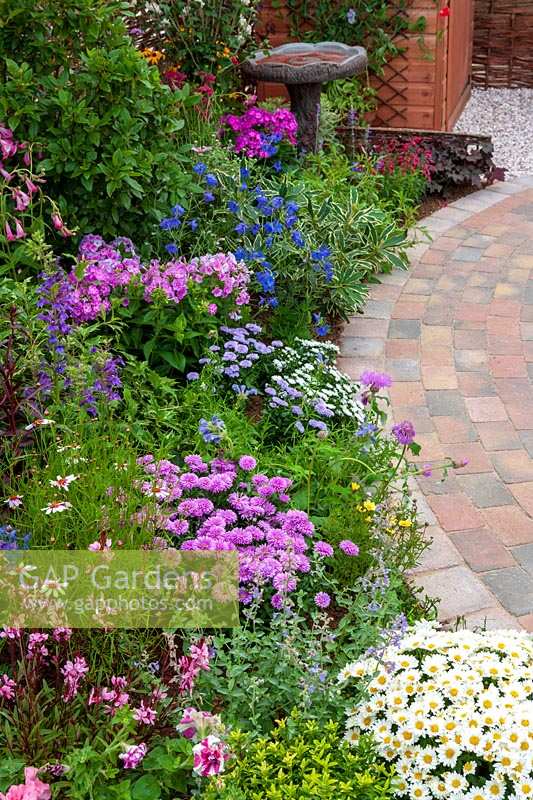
302 760
106 124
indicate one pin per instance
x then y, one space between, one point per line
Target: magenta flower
322 599
247 463
73 673
31 789
7 688
348 547
10 236
133 755
323 549
404 432
209 756
375 380
145 714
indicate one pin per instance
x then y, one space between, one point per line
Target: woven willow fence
503 43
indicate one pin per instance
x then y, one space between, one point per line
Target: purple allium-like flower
375 380
322 599
247 463
349 547
404 432
323 549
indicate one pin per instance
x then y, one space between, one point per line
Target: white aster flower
56 507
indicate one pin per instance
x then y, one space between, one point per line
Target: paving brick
477 294
498 250
361 326
444 243
526 622
431 448
459 590
526 329
433 257
504 308
507 366
443 403
422 286
513 466
403 369
467 254
498 436
419 416
526 438
362 347
471 452
471 360
404 329
485 409
502 326
523 493
504 345
521 415
455 512
475 384
508 291
436 335
524 555
439 377
491 619
440 554
485 490
406 310
513 588
472 312
470 340
407 394
378 309
436 356
401 348
481 550
454 431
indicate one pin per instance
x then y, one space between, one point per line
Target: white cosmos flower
14 501
56 507
64 483
39 423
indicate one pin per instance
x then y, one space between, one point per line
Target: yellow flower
369 505
354 486
151 55
405 523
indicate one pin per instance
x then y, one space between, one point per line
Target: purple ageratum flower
322 599
192 376
375 380
323 549
247 463
348 547
404 432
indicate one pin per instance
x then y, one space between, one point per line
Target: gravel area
507 115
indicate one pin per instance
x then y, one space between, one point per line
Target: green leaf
146 788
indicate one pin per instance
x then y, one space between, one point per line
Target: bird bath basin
303 68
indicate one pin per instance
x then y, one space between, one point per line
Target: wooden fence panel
503 43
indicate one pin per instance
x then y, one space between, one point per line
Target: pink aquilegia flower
209 756
31 789
133 755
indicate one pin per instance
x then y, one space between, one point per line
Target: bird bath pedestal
303 68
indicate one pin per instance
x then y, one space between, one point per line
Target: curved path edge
455 332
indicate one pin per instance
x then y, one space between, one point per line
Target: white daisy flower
56 507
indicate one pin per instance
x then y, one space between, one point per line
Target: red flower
444 12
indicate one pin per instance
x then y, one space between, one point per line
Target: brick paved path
456 334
